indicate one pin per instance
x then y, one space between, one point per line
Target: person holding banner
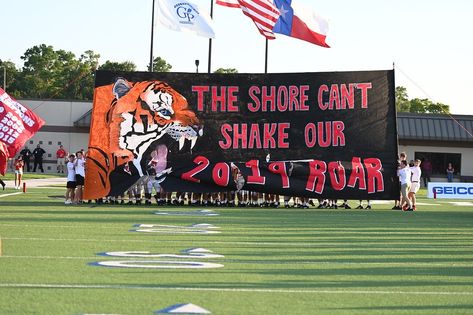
79 166
405 179
71 180
416 174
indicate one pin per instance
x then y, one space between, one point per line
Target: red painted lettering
255 106
338 135
227 144
347 96
202 164
364 93
316 179
256 177
322 89
338 182
221 174
375 177
200 96
357 174
280 168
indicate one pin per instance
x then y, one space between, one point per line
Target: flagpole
266 57
152 37
210 39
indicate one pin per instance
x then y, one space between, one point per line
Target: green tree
160 65
126 66
9 69
82 78
402 99
417 105
438 108
226 70
42 71
48 73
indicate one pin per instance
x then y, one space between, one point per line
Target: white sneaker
68 202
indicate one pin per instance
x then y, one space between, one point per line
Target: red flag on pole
17 125
263 13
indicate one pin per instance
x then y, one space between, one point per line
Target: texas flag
300 22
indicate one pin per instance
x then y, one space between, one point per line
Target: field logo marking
156 264
203 228
190 253
145 254
188 308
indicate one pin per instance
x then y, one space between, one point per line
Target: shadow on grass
396 271
407 307
417 286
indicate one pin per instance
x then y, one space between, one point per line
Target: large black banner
330 135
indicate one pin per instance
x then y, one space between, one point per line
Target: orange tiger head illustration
140 114
146 111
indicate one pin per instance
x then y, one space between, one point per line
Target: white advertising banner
450 190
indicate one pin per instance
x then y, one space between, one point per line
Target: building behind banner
439 139
68 123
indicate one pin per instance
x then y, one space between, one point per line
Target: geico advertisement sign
450 190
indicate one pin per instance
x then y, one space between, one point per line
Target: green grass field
276 261
27 175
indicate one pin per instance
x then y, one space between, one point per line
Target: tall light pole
152 37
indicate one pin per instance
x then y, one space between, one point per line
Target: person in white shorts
404 173
79 165
415 182
71 180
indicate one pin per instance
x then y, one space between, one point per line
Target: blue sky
430 41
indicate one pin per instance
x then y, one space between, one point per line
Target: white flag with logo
184 16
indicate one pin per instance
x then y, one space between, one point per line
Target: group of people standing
75 178
409 177
37 155
22 163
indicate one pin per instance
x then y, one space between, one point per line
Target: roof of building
84 120
413 126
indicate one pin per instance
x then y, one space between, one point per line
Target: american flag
263 13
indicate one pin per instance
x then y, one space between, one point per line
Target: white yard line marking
49 257
52 226
380 230
461 203
12 194
145 287
266 262
301 244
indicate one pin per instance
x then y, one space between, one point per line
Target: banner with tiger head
323 135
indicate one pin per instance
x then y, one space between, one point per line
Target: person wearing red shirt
61 157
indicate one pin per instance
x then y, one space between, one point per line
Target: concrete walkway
39 182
